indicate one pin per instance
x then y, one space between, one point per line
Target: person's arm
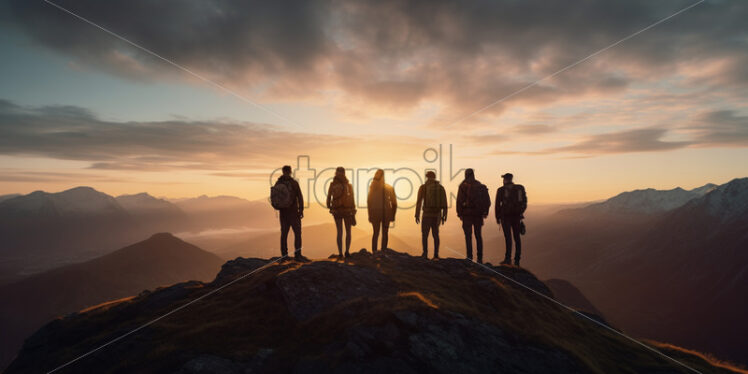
329 197
497 209
393 198
460 200
524 200
300 199
445 206
418 203
488 197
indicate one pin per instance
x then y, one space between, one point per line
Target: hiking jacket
382 204
429 212
462 198
503 193
297 207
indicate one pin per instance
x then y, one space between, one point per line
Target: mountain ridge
81 223
678 276
365 314
159 260
649 200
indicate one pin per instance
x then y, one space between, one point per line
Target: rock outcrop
364 314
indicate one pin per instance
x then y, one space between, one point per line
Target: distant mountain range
9 196
44 230
155 213
161 260
649 201
393 313
674 268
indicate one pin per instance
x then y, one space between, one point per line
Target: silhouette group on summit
472 205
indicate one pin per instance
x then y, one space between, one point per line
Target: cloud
637 140
72 133
627 141
11 175
398 55
486 138
514 133
534 129
257 175
723 128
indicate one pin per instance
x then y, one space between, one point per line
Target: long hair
340 175
378 182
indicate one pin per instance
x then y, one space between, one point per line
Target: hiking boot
424 255
436 257
506 262
516 262
347 254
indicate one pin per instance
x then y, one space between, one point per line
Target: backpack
478 202
477 198
512 200
281 195
340 195
434 197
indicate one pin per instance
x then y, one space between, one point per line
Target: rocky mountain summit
364 314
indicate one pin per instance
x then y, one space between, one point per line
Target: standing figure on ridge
433 198
473 203
511 203
342 206
382 206
286 197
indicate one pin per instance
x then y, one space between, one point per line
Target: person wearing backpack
286 197
511 203
473 203
433 198
382 206
342 206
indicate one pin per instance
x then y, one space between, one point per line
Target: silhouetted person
511 203
286 197
433 198
473 203
342 205
382 206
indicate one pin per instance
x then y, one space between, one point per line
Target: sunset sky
371 84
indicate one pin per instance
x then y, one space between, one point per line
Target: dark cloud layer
397 54
722 127
72 133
